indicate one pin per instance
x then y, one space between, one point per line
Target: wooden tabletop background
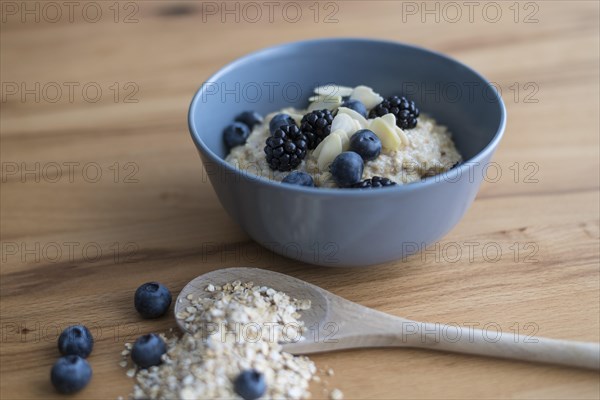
102 188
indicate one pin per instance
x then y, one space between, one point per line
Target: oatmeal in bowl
341 175
345 138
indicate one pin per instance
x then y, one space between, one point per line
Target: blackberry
286 149
316 126
405 111
374 183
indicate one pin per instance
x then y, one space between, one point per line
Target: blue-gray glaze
348 227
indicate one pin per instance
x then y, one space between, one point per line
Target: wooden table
102 191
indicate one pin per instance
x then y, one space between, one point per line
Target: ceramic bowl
348 227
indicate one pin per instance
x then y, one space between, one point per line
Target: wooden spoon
335 323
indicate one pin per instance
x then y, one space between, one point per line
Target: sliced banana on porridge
362 121
334 90
367 96
332 146
345 123
324 102
386 133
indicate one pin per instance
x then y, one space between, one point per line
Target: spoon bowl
335 323
293 287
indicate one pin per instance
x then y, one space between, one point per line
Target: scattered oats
130 373
237 326
128 346
123 364
336 394
125 352
330 372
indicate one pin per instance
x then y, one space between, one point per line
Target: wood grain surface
103 191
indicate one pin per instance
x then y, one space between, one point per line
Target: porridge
353 138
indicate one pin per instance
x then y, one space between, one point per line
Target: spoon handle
498 344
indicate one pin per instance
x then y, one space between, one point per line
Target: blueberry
152 300
76 340
147 350
299 178
236 134
250 118
279 120
355 105
70 374
250 384
347 168
366 144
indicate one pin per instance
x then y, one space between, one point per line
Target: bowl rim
422 184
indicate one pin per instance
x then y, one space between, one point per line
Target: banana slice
332 146
402 135
333 90
345 138
345 123
324 102
386 133
367 96
345 143
390 119
362 121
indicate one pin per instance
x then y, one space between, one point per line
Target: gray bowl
348 227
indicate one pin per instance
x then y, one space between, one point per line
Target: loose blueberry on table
70 374
250 385
148 350
76 340
152 300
